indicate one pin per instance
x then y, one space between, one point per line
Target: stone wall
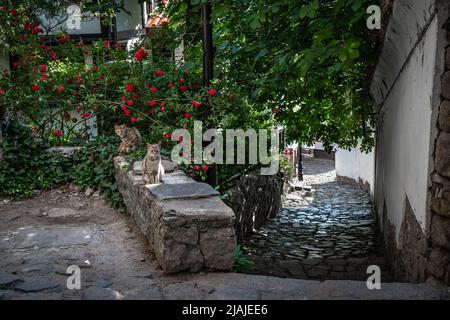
187 225
439 259
254 199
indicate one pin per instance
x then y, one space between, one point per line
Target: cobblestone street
326 230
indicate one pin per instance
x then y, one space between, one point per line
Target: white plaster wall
356 165
126 21
89 24
403 143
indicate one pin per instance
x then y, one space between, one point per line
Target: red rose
180 138
168 136
107 44
35 87
79 108
14 12
118 45
44 68
95 68
151 111
124 98
159 73
130 87
27 26
154 90
126 111
152 103
187 72
58 133
205 168
163 109
195 103
141 55
64 39
60 88
212 92
163 104
45 76
170 85
182 80
36 30
187 115
2 92
130 102
133 120
196 168
86 115
183 89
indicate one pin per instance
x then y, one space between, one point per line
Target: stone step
234 286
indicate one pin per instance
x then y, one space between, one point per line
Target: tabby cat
152 169
131 138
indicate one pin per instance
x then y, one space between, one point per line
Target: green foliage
241 262
307 59
26 166
94 168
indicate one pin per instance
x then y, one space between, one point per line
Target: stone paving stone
45 237
331 224
31 286
183 190
7 278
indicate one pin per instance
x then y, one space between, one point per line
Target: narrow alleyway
326 230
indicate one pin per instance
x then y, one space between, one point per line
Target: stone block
442 155
182 190
438 263
440 232
169 166
444 116
187 225
447 58
216 240
446 85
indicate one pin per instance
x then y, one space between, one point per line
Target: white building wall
126 21
405 96
356 165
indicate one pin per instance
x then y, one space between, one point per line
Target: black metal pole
299 162
208 71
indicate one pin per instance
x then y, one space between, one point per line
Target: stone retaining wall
187 225
254 198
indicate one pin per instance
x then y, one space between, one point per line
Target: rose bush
54 91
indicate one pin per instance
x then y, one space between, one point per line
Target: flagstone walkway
327 230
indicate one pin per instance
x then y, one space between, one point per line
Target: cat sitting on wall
152 169
131 138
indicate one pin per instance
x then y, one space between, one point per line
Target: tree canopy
305 62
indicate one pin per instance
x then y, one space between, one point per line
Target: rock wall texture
187 225
254 199
439 259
